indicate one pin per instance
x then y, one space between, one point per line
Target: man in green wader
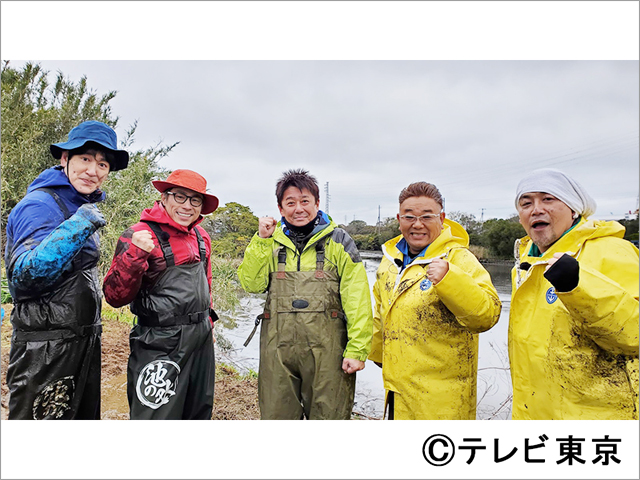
317 322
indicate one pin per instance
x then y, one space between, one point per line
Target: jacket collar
323 229
572 240
55 178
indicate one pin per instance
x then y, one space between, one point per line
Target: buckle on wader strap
155 320
262 316
56 334
282 261
320 258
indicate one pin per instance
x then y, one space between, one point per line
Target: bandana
561 186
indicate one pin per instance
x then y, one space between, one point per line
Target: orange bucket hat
193 181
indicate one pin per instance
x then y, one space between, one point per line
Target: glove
90 212
564 275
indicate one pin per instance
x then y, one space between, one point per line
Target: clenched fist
438 268
90 212
143 239
266 226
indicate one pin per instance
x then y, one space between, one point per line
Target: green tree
499 235
469 223
389 228
631 228
36 114
231 228
356 227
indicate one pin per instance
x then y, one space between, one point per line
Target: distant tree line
493 238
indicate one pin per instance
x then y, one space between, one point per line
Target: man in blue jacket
51 259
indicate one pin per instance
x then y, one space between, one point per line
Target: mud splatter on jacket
29 231
133 268
574 355
425 335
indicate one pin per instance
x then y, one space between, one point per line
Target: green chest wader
302 340
171 367
54 361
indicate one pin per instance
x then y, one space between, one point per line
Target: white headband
561 186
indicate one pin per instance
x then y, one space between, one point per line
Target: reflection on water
494 382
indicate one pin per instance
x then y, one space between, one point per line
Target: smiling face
420 233
544 217
182 213
86 171
299 207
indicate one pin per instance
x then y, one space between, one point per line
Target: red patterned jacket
133 268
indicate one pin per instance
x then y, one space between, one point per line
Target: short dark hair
297 178
422 189
108 155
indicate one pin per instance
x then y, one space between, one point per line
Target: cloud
369 128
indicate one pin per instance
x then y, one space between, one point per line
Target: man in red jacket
162 266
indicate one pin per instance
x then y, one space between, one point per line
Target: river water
494 381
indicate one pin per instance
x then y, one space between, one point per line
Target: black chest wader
54 361
171 370
302 341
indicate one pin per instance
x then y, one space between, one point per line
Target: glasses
181 198
427 217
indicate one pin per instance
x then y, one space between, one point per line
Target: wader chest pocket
296 304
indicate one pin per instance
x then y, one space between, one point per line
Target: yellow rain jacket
425 335
574 355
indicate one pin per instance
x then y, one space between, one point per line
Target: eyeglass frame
427 217
188 197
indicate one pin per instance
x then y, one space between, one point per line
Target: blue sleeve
44 248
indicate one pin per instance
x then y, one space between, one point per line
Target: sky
366 129
369 96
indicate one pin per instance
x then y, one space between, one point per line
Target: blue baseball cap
96 132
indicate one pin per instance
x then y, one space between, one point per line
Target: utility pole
378 222
326 196
482 215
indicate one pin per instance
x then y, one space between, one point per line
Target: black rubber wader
302 341
54 361
171 370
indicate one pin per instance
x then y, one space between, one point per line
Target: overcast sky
369 128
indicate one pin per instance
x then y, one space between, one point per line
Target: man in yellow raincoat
432 299
573 328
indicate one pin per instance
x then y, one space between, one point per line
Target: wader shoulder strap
202 248
163 240
320 258
58 200
282 262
